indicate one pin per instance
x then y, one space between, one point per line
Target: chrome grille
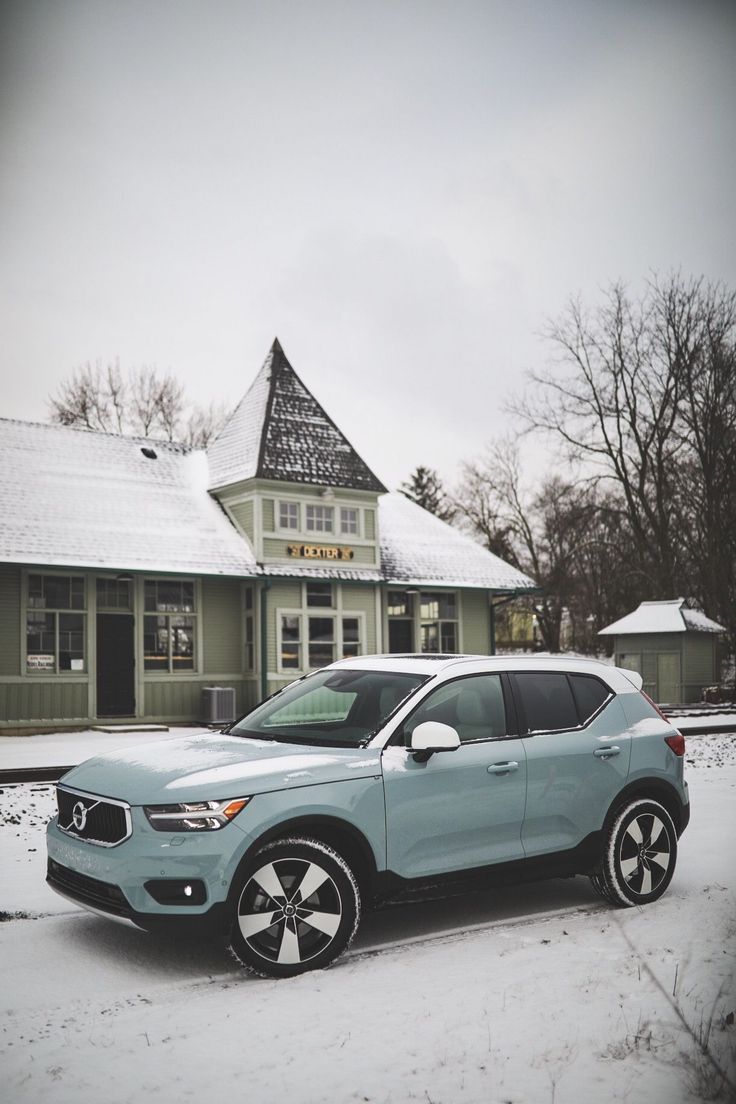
99 820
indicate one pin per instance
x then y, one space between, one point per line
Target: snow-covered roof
419 549
676 615
279 431
72 497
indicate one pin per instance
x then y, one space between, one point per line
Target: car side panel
455 811
569 787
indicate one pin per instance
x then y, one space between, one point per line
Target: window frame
195 614
438 621
57 612
580 726
398 737
358 522
288 502
327 510
337 614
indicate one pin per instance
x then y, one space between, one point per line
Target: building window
319 594
249 634
55 631
320 519
321 641
349 521
438 622
400 622
309 640
289 515
168 636
291 642
114 594
350 637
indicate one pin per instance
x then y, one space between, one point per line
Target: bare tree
644 393
140 402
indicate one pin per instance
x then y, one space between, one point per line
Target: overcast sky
401 191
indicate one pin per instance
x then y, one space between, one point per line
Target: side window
547 701
474 706
590 694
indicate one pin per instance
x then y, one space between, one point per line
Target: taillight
676 742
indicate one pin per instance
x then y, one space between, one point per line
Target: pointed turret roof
279 431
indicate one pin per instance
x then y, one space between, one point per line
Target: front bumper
112 880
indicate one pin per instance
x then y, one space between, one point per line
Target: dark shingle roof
279 431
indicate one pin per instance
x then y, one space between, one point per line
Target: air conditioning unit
218 704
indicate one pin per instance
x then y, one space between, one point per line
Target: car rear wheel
297 908
639 855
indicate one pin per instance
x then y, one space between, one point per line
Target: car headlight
194 816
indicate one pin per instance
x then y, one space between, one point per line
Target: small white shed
672 645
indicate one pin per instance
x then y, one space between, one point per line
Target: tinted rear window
590 695
547 701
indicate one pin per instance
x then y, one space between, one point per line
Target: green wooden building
673 646
136 573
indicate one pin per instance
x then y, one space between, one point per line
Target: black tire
639 855
273 931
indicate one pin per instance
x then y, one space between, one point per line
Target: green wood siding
222 626
9 620
181 700
361 599
44 701
243 514
698 664
369 521
475 623
267 508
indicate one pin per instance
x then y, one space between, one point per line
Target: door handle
607 752
502 768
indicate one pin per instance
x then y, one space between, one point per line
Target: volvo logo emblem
79 816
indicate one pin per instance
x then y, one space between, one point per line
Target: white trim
336 612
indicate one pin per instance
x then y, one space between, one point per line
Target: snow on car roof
677 615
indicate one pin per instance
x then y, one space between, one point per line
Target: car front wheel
639 855
297 908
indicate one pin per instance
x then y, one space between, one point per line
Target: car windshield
339 708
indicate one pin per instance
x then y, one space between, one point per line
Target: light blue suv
367 780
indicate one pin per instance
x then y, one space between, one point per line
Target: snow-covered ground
537 993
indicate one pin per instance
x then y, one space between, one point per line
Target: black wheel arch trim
658 789
327 829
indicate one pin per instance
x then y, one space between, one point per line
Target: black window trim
398 736
580 726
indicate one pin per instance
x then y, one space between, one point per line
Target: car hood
201 768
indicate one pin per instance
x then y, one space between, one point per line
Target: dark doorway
115 665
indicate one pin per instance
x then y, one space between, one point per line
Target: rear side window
590 694
547 701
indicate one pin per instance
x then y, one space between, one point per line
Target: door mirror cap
434 736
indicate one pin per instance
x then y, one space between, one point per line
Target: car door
577 753
463 808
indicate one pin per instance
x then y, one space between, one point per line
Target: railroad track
33 774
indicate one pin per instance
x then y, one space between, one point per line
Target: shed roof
73 497
676 615
279 431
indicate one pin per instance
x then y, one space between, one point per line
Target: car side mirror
431 736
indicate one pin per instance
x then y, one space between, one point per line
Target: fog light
177 891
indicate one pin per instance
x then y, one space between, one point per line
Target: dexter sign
320 552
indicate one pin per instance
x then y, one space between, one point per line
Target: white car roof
450 666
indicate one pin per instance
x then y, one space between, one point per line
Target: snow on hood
201 768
